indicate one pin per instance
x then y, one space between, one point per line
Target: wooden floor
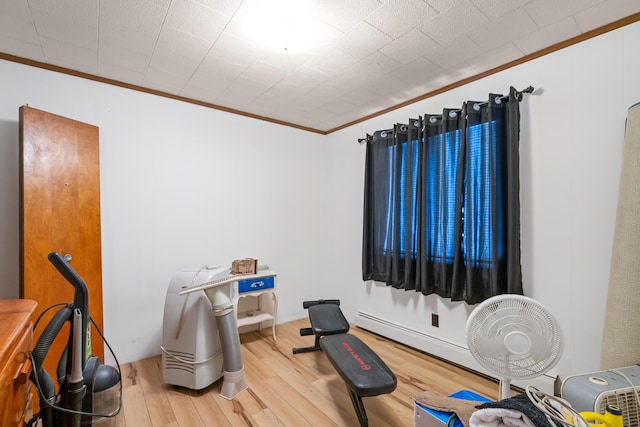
290 390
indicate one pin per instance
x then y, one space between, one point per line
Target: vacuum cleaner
89 393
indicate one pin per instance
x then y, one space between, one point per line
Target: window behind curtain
436 204
407 155
441 236
478 242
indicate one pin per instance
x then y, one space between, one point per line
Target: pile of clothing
516 411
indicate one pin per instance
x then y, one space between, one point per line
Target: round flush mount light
284 26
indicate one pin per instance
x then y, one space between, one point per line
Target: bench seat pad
361 369
327 319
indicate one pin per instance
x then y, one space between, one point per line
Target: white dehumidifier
191 350
594 391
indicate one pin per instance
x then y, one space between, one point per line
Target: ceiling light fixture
284 26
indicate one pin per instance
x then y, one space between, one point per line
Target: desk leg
274 296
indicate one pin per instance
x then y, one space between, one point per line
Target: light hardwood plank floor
291 390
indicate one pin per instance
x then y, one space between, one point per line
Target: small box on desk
427 417
244 266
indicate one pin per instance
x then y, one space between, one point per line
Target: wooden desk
265 311
16 340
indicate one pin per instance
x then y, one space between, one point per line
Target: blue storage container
427 417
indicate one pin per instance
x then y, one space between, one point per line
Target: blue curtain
441 202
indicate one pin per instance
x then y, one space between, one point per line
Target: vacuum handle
68 272
80 296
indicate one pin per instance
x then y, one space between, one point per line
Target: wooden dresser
16 340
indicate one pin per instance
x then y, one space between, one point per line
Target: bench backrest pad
360 367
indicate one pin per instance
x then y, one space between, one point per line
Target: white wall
184 186
181 186
571 145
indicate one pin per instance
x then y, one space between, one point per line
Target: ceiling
367 55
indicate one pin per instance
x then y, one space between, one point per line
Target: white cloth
499 417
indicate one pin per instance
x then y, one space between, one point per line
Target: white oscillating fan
514 337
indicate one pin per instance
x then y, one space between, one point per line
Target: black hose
50 333
61 372
47 388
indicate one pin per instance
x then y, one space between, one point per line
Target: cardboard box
244 266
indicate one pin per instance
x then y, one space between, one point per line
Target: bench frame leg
359 407
316 347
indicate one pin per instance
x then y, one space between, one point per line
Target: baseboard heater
450 351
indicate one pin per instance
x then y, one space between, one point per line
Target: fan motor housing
517 343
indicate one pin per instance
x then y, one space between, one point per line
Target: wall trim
558 46
442 348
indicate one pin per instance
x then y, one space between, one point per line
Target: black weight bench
362 370
326 318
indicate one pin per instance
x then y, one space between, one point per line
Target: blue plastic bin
427 417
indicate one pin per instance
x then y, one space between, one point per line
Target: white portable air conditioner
191 350
594 391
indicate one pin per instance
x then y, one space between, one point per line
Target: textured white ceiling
370 54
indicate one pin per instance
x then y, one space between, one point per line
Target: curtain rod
476 106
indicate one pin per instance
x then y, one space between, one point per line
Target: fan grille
626 400
497 317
